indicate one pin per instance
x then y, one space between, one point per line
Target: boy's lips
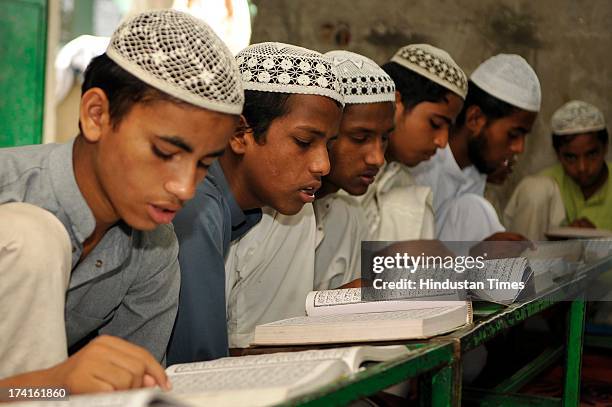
162 214
307 193
368 176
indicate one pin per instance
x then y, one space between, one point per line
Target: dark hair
560 140
491 106
413 87
122 89
261 109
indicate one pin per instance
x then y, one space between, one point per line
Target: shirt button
98 263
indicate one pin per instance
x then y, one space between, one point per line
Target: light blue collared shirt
128 285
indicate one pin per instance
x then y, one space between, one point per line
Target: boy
430 91
575 192
500 108
292 109
273 267
87 221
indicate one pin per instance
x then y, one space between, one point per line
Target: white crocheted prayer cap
361 79
509 78
181 56
577 117
284 68
434 64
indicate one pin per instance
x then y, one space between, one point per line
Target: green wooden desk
438 361
485 328
432 359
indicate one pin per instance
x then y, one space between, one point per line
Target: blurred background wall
568 42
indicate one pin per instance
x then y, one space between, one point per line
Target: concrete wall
568 43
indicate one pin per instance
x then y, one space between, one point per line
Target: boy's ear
399 105
94 114
242 136
475 119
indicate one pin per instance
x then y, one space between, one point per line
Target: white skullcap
361 79
284 68
577 117
434 64
509 78
181 56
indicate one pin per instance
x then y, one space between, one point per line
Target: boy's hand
109 363
105 364
582 223
502 245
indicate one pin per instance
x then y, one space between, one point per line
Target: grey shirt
205 228
128 285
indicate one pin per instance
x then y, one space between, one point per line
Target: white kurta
535 206
396 208
461 212
341 227
468 218
269 272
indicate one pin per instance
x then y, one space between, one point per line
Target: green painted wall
23 43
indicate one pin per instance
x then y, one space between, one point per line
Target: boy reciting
293 107
273 266
88 264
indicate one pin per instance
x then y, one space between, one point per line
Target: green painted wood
529 372
379 377
442 387
573 364
23 45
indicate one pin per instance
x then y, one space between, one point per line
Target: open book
577 233
554 262
341 316
497 280
257 380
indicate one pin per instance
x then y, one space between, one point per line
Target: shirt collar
67 192
242 221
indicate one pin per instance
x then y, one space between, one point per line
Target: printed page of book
496 274
255 383
569 250
353 357
349 301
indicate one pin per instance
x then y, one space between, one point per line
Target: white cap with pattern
361 79
509 78
181 56
577 117
434 64
284 68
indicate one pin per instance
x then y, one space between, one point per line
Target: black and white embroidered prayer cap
577 117
511 79
361 79
284 68
180 55
434 64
